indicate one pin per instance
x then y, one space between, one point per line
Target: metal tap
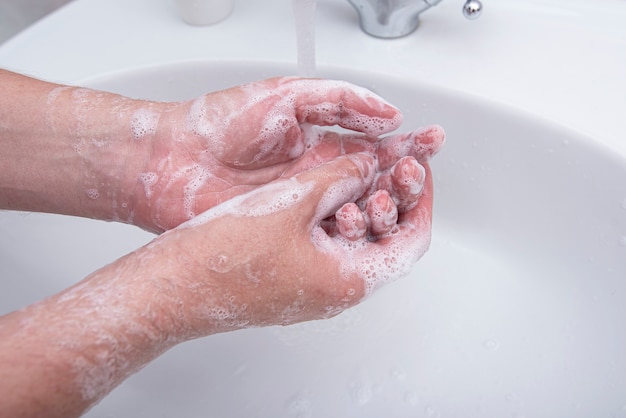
398 18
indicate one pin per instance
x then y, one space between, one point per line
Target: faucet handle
472 9
397 18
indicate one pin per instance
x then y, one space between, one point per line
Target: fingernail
409 175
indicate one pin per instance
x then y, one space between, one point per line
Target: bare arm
94 154
80 152
66 150
62 355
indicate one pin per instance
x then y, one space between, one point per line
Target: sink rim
497 348
289 68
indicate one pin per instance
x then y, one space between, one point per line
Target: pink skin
350 222
202 170
382 212
321 204
226 143
399 181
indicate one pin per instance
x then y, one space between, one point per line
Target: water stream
304 13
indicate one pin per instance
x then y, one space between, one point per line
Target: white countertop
563 60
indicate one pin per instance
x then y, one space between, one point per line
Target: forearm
67 150
62 355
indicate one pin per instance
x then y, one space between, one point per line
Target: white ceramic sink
517 309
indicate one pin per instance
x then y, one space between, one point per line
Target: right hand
267 257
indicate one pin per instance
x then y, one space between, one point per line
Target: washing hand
340 215
205 151
225 280
157 164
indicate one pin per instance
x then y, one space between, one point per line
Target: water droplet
361 394
491 345
398 374
622 241
241 369
300 407
93 194
411 398
565 142
430 411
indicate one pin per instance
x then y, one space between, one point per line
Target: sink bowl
516 310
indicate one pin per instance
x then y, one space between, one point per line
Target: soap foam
197 176
98 351
410 174
148 180
422 145
336 112
269 199
93 194
225 312
276 126
382 212
198 122
143 123
377 261
351 222
287 106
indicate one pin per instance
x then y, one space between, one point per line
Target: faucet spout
398 18
390 18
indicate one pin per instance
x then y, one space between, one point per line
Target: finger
406 245
350 222
382 213
331 102
407 182
421 144
336 183
419 218
315 194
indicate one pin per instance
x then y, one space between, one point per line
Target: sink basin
516 310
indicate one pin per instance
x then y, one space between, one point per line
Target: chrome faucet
397 18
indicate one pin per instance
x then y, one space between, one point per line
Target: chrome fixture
397 18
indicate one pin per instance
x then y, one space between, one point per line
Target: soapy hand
352 218
225 280
223 144
265 257
340 215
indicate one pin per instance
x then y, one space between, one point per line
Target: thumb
338 182
334 102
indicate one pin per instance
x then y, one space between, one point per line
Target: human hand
156 164
329 237
300 248
208 150
309 244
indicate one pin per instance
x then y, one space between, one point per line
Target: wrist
78 345
71 150
109 142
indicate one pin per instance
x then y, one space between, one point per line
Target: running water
304 13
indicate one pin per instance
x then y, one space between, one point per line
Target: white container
204 12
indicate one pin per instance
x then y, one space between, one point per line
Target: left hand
226 143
